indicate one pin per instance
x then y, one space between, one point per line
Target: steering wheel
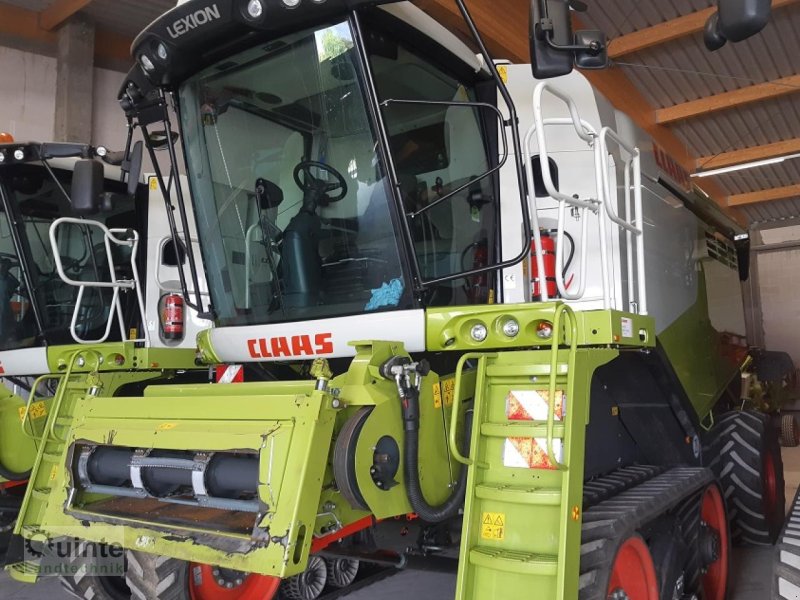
312 183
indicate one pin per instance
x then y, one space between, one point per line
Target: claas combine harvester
454 292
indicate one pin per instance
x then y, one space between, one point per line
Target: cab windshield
291 197
32 200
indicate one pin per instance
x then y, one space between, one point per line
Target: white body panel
326 338
164 279
24 362
673 235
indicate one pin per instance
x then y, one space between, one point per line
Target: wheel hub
618 594
709 544
228 578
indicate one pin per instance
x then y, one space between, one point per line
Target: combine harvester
498 307
71 298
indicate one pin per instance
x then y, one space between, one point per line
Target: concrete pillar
75 80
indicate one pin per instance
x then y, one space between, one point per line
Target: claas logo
291 346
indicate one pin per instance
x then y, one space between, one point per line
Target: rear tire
746 458
84 580
152 577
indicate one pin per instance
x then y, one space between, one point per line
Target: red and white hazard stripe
230 374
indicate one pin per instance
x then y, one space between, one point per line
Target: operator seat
301 265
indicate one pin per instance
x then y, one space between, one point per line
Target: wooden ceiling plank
726 100
668 31
53 16
781 193
23 23
746 155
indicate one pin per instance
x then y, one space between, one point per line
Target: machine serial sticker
37 410
627 327
493 526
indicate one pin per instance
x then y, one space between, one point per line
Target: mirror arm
593 48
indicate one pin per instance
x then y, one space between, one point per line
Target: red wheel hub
211 583
770 484
712 513
633 574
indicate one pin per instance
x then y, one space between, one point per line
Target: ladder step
523 429
41 493
535 370
519 494
24 572
53 457
514 561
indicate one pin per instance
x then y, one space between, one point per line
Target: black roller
231 476
110 466
163 481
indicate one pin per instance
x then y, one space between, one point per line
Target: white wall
778 278
27 100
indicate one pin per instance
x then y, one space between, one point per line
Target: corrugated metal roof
684 70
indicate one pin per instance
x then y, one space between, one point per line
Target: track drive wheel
309 584
341 571
633 574
714 544
790 431
746 458
152 577
85 579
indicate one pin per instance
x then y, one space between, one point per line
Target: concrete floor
751 577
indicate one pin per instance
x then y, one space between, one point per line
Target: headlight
479 332
511 328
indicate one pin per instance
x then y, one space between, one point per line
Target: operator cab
342 169
36 308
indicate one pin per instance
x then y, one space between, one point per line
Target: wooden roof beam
781 193
111 49
52 17
668 31
747 155
747 95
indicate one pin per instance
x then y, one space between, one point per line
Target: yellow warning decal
493 526
153 184
53 472
37 410
503 71
437 395
448 388
167 426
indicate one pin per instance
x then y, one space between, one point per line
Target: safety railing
110 239
633 223
603 205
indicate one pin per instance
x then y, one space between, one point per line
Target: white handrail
632 170
116 285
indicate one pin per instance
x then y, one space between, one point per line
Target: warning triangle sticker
499 521
487 520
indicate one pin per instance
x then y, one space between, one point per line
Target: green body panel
120 357
449 328
694 349
18 446
290 425
536 552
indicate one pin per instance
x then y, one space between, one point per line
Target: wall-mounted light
743 166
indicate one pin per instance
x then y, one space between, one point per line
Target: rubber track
607 524
786 564
602 488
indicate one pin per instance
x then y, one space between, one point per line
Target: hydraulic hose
432 514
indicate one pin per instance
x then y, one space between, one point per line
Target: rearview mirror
554 50
550 18
134 168
741 19
736 20
87 187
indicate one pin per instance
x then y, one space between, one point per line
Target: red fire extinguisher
549 260
172 317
